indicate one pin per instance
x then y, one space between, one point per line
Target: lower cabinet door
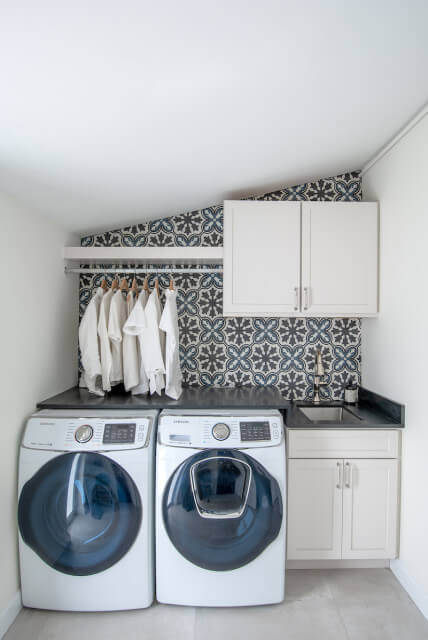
370 509
314 509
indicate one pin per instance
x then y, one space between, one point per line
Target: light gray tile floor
342 604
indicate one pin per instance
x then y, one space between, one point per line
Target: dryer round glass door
221 509
81 512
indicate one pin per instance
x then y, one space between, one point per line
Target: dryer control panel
225 431
86 434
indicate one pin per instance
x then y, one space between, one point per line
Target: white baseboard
9 613
337 564
417 594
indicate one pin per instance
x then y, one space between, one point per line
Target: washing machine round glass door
80 513
221 509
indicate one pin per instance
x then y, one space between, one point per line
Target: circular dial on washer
221 431
84 433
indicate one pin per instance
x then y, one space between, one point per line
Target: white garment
169 324
134 326
105 349
131 369
89 345
116 319
151 350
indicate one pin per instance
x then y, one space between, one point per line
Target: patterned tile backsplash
218 351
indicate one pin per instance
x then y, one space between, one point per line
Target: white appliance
220 508
86 510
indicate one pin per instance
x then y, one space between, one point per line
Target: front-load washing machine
220 508
86 510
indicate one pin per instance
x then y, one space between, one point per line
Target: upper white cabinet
261 258
300 259
339 258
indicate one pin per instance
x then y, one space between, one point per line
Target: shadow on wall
217 351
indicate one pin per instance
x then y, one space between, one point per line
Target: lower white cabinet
370 509
314 509
342 508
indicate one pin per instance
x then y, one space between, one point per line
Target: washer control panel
226 431
119 433
91 433
253 430
221 431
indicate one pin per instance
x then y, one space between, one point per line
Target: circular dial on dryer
84 433
221 431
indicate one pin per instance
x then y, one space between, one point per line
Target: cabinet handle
348 475
296 298
306 290
339 475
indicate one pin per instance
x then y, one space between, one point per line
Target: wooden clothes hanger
146 286
157 286
115 284
104 284
124 285
171 284
134 287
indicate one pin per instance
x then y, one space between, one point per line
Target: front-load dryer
220 508
86 510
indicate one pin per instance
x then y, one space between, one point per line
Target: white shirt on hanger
151 345
131 369
89 345
116 319
134 326
169 324
105 348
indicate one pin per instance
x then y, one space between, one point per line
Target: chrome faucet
318 374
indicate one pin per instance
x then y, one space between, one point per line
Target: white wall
38 328
395 346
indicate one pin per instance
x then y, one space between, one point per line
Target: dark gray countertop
371 412
374 410
191 398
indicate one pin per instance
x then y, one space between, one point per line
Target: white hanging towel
139 326
131 369
89 345
134 326
105 348
169 324
151 350
116 319
160 377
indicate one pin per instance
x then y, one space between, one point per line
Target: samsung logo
180 421
47 424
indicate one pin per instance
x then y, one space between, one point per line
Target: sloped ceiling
117 112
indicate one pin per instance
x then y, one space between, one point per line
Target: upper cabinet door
261 258
339 258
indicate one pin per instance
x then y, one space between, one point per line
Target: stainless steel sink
329 414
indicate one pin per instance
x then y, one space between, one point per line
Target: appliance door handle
348 475
296 298
339 483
